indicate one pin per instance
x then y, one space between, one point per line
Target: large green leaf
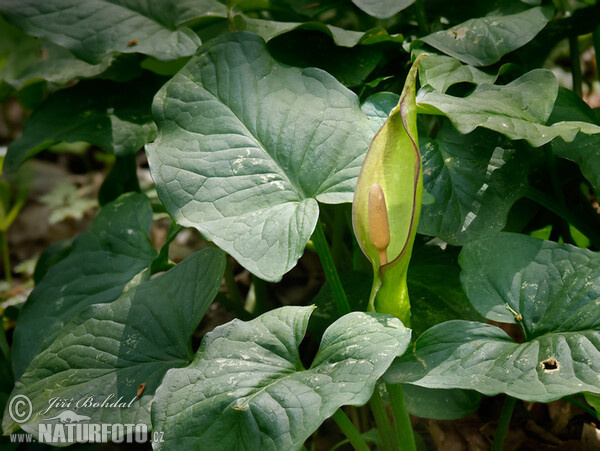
469 355
269 29
101 262
517 110
114 116
584 150
440 72
551 290
555 287
247 387
474 179
111 349
247 146
89 29
382 9
484 41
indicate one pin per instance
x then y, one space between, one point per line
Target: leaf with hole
551 290
249 376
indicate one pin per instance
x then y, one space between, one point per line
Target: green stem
388 437
582 406
232 288
6 260
350 431
552 205
503 423
260 295
421 17
596 41
575 65
557 188
331 274
402 425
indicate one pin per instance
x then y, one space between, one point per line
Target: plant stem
6 260
596 41
552 205
582 406
388 437
557 188
421 16
260 295
331 274
503 423
350 431
232 288
575 65
402 425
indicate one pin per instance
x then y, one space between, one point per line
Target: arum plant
387 203
385 213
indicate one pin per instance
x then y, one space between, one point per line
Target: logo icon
20 409
68 416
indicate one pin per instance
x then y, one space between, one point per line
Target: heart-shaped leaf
551 290
114 116
109 350
89 30
474 178
101 262
485 40
517 110
382 9
247 146
247 386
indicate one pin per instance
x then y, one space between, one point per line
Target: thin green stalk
503 423
552 205
596 41
575 65
582 406
232 288
421 16
339 296
6 260
344 423
388 437
557 188
355 418
402 425
260 295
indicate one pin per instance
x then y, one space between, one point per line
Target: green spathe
393 163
